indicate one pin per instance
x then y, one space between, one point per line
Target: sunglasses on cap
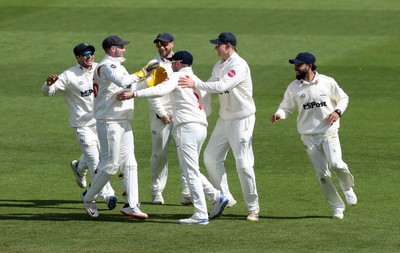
161 44
87 53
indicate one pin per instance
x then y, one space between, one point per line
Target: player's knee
242 164
323 177
339 166
211 160
111 169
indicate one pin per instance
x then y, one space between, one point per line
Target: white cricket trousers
235 135
189 139
89 144
326 154
116 156
161 135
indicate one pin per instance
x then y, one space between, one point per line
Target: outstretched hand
51 79
125 95
186 82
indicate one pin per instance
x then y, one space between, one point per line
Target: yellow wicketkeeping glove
146 70
156 76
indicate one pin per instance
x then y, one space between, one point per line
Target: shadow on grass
105 214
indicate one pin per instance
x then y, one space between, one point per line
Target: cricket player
76 83
191 130
162 125
114 128
231 80
320 103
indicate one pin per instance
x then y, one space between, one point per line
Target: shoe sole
76 175
231 204
200 223
140 217
252 219
351 203
221 209
93 215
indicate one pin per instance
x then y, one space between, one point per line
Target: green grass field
355 41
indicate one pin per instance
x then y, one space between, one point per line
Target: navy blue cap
113 40
165 37
304 57
183 56
83 47
225 38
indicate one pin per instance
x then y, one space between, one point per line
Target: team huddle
100 101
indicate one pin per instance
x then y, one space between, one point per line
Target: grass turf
356 42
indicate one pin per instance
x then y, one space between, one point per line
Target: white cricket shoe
193 221
111 201
231 203
133 212
80 180
351 197
218 206
158 199
338 213
253 215
90 207
186 201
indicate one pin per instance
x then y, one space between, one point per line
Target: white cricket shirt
232 80
186 105
111 78
77 85
314 102
161 105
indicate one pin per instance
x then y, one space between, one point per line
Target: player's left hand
186 82
51 79
332 118
125 95
166 119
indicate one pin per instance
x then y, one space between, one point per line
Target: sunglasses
218 45
162 44
87 53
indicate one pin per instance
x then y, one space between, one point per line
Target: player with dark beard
320 103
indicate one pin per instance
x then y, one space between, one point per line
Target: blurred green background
354 41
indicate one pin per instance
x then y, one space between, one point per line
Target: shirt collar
85 70
314 81
233 56
115 59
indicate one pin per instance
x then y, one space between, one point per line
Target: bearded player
320 103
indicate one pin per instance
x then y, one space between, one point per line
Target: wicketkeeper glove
156 76
146 70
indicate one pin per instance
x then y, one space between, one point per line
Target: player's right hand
186 82
51 79
275 117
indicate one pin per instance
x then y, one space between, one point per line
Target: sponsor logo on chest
314 104
86 93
